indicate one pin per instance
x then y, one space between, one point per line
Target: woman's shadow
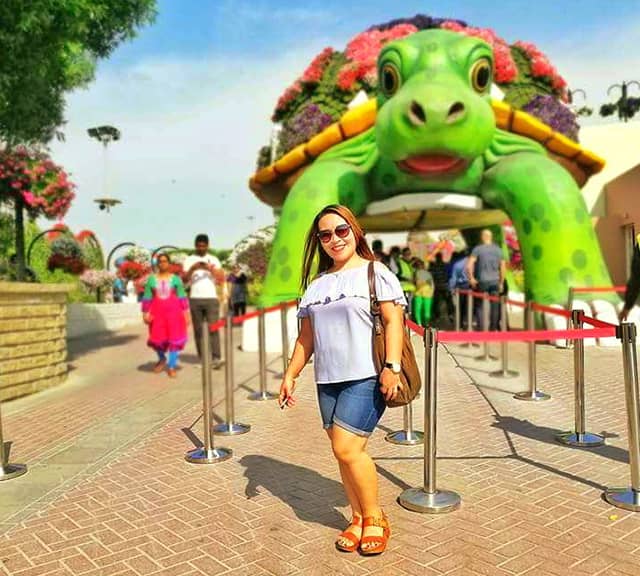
304 490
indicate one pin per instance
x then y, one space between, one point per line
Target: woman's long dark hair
312 247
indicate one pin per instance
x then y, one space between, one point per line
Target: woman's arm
393 320
302 351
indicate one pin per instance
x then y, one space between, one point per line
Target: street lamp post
623 112
105 135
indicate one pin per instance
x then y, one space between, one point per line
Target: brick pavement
530 506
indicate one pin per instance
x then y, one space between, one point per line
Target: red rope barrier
526 335
550 310
415 327
517 303
241 319
600 289
597 323
215 326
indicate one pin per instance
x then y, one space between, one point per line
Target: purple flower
555 114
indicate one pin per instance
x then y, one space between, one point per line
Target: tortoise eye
389 79
481 75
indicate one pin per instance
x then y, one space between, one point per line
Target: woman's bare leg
349 450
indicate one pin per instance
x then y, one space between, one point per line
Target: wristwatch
393 366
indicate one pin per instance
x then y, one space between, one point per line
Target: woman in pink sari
165 309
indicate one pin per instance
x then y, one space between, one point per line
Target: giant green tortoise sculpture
434 145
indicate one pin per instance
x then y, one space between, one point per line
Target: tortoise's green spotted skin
434 102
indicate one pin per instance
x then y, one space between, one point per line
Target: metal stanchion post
207 454
533 394
629 498
580 437
469 316
262 394
504 372
8 471
285 339
485 328
429 498
229 427
407 436
456 293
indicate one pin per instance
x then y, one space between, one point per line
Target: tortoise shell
272 183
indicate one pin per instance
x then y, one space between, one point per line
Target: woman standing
424 293
238 281
166 310
337 326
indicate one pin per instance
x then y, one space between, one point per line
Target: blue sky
193 94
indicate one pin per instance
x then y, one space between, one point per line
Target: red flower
315 70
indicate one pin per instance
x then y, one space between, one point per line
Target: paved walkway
109 493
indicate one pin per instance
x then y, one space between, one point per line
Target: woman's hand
286 391
390 384
147 318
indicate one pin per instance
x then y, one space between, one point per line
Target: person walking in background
459 280
423 295
337 327
394 258
405 275
165 309
441 292
486 270
238 281
119 289
378 252
633 284
201 270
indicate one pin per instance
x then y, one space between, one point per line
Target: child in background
423 295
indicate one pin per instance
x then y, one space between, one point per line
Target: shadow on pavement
304 490
545 434
80 346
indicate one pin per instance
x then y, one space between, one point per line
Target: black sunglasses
341 231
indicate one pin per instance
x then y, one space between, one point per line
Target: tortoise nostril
455 112
417 115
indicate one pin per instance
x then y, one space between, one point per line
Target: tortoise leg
326 182
558 243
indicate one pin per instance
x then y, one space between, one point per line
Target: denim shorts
356 406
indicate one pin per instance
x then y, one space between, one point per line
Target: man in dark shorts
486 269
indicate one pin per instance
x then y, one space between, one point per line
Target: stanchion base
440 502
504 374
484 358
231 428
537 396
580 440
12 471
202 456
401 437
262 396
626 498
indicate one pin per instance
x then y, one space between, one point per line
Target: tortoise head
434 112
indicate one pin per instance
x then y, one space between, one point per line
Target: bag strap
373 298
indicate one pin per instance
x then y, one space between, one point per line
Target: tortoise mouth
432 164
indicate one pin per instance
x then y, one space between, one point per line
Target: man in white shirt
203 297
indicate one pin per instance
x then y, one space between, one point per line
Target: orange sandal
379 542
355 541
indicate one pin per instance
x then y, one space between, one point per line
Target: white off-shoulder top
338 305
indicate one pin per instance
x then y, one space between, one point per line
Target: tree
49 48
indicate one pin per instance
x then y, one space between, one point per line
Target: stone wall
33 348
84 319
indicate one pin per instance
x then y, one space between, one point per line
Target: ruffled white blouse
338 305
